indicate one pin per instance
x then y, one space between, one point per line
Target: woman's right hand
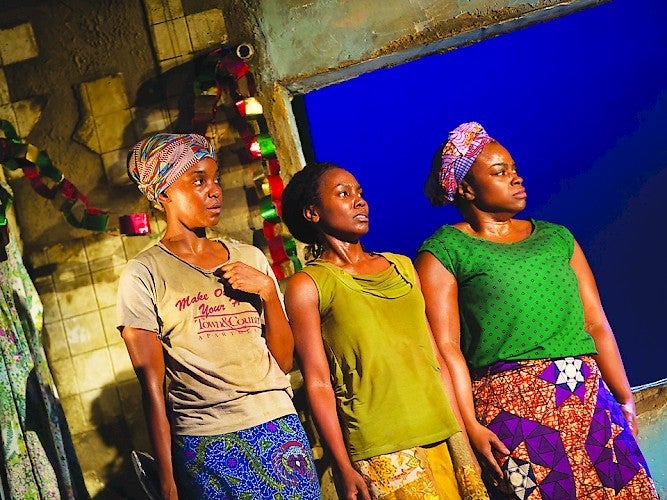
168 490
487 446
354 486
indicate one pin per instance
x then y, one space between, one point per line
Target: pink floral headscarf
157 161
459 152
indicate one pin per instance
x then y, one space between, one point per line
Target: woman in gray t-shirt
207 318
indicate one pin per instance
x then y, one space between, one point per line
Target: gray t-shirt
221 376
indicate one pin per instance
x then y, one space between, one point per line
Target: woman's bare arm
146 354
608 357
441 294
302 301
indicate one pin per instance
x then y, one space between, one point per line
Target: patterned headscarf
157 161
459 152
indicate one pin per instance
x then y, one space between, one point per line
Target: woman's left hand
246 278
630 414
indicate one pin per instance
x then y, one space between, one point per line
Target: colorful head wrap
157 161
459 152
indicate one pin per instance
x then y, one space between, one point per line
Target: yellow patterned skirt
424 472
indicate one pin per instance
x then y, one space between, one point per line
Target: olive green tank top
518 300
389 391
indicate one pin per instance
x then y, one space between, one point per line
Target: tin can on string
134 224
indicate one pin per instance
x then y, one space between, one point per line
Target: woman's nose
215 191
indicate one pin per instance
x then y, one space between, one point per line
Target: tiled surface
122 365
109 322
177 37
76 295
72 254
4 90
171 39
27 114
106 95
64 376
85 333
130 399
78 279
159 11
114 166
114 130
104 251
101 406
17 44
23 115
106 285
107 124
168 64
85 351
135 244
93 369
207 29
47 294
55 341
75 416
147 121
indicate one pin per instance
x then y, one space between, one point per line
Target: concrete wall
651 401
302 45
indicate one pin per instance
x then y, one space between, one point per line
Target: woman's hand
487 446
241 276
354 486
168 490
630 414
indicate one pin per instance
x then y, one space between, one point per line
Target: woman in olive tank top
374 380
516 314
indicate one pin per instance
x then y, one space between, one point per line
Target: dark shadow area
108 451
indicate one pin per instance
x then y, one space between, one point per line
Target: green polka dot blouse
516 300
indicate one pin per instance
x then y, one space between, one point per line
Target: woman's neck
343 253
495 227
194 246
352 257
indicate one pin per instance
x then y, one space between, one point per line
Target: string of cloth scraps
225 71
48 181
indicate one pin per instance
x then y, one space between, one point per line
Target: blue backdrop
580 102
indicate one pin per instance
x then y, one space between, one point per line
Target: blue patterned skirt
268 461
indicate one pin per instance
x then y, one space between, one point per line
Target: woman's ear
163 198
310 214
465 191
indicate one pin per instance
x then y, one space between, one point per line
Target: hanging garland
48 181
227 72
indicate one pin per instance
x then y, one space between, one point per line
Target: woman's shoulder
542 225
447 236
397 258
447 232
146 258
246 253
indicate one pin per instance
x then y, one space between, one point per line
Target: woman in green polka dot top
516 314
